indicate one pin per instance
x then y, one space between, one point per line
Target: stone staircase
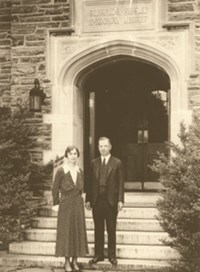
139 238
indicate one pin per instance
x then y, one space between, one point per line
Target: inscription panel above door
118 15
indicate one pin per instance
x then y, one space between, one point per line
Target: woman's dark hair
70 148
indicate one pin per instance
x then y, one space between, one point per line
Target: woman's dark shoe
75 267
68 268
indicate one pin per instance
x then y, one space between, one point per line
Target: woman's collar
67 168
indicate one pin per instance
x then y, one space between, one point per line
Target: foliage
179 207
41 177
15 169
10 229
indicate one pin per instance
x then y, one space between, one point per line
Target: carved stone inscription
116 15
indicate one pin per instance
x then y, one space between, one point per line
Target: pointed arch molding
90 57
67 108
80 64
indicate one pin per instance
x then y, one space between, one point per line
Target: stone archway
67 113
120 103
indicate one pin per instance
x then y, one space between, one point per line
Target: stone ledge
61 32
177 25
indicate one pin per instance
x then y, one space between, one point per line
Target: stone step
142 198
123 251
36 202
123 237
51 261
122 224
134 213
127 212
130 198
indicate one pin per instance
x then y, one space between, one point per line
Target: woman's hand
120 206
87 205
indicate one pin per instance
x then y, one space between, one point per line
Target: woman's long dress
71 237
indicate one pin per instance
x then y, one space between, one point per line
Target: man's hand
55 208
87 205
120 206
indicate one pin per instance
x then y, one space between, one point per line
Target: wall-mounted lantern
36 97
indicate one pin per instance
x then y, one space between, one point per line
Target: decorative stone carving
76 45
169 42
70 47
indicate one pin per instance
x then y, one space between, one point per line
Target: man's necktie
102 178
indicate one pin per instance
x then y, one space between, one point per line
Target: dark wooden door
150 127
138 128
137 160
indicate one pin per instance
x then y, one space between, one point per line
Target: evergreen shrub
15 171
179 206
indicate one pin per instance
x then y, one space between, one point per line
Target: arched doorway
73 93
127 100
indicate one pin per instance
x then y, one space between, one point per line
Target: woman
71 240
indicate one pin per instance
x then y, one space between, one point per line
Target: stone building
128 69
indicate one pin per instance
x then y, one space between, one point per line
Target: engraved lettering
111 17
131 20
103 21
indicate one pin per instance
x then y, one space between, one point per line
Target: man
105 194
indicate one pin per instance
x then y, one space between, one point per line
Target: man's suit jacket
114 182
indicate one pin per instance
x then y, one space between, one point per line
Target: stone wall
24 29
25 26
31 23
5 52
189 11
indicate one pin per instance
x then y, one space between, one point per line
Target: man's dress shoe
113 261
96 260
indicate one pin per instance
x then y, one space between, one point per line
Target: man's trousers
104 213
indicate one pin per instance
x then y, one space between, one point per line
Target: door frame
91 142
70 70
